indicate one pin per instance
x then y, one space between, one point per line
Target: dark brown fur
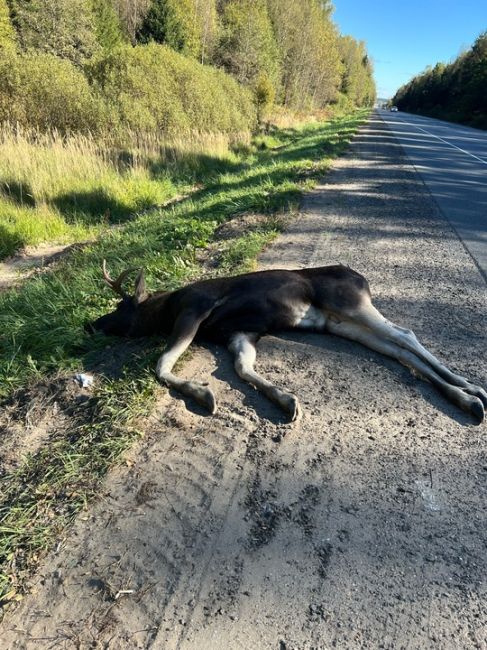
260 303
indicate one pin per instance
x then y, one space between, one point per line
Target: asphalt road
452 161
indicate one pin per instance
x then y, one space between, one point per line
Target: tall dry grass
66 188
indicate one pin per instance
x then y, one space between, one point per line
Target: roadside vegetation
174 136
453 91
96 115
73 188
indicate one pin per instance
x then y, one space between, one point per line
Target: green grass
21 226
42 323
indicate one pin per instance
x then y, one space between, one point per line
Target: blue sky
404 36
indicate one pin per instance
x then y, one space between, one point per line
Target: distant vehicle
394 109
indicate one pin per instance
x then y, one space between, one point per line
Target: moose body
237 311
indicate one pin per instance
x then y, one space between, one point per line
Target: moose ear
140 292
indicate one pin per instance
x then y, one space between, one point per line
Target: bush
265 95
7 34
42 91
157 89
64 28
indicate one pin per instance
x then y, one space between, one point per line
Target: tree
357 82
175 23
62 27
107 24
207 15
265 94
474 100
455 91
188 26
7 33
248 48
131 14
308 46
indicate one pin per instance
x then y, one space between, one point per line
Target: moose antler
116 285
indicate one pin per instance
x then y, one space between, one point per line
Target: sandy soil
31 259
362 526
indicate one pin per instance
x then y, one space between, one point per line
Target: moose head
125 320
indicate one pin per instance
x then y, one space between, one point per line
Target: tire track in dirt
363 526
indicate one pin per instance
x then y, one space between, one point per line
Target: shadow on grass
91 207
198 166
95 206
19 193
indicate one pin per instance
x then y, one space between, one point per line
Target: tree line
137 62
455 91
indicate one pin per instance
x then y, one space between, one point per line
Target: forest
167 66
455 91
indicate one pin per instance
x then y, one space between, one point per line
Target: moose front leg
184 331
243 347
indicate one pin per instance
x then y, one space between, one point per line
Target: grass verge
67 189
42 325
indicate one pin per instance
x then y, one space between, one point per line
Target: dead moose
237 311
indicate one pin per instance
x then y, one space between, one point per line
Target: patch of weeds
40 498
243 251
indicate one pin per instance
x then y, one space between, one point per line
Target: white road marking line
445 141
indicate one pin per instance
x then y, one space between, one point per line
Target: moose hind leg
405 338
242 346
184 331
357 332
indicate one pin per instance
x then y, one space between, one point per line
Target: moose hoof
210 401
477 391
292 406
477 409
204 396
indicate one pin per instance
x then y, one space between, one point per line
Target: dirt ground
361 526
20 266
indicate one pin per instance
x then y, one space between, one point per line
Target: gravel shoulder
362 526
